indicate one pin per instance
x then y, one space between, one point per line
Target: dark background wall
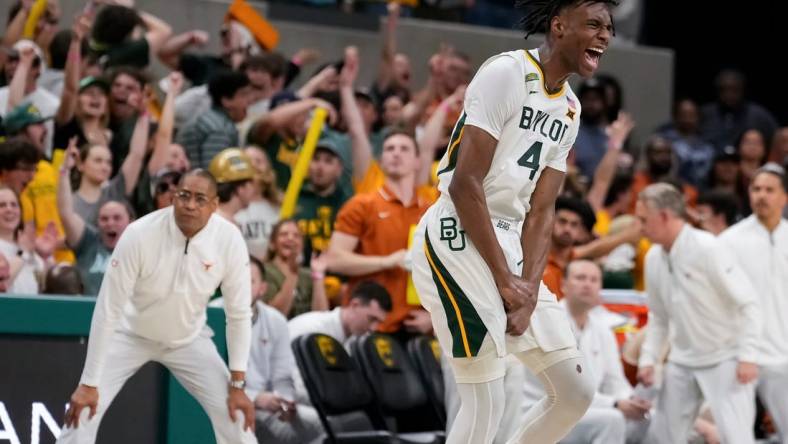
708 36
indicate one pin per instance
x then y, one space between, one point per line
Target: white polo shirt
158 285
701 301
763 256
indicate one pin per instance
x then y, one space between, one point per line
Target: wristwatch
238 384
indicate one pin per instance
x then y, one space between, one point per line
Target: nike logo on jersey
383 214
536 121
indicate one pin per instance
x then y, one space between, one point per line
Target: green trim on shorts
468 331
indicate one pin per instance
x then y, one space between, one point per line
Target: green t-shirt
316 215
302 302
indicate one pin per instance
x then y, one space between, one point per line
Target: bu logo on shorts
450 233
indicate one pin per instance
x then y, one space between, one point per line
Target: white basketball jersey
534 129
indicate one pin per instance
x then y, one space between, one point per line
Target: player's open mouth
592 56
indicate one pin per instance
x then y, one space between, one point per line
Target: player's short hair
664 196
721 202
775 170
539 13
199 172
368 291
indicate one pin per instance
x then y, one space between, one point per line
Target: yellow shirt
39 202
602 228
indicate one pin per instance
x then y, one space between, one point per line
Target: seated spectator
723 120
234 176
164 188
269 377
321 198
293 289
370 238
28 59
258 219
693 153
113 36
659 168
92 244
63 279
716 211
616 415
725 174
215 130
14 243
18 159
94 169
569 241
366 309
752 150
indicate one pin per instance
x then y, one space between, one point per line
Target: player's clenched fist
83 396
519 300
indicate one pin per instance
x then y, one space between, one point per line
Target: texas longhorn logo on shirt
207 265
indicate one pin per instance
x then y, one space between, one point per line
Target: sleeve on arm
494 95
116 289
352 216
733 283
282 358
657 331
237 292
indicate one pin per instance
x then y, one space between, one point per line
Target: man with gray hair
704 305
760 245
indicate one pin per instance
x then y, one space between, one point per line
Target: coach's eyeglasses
186 196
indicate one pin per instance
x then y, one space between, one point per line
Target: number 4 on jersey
531 159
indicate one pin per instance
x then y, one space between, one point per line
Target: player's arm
535 239
475 156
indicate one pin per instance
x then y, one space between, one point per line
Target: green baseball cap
89 81
21 117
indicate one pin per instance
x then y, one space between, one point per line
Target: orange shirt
554 273
381 222
642 179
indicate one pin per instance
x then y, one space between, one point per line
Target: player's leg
569 390
677 406
772 384
513 383
203 373
599 426
732 404
126 355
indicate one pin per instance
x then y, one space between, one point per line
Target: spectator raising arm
17 25
386 68
316 83
359 139
282 116
158 32
132 164
68 99
433 132
617 134
170 52
17 89
73 224
163 137
318 265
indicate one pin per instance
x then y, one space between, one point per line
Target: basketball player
477 260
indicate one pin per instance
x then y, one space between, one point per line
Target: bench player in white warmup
152 307
477 259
